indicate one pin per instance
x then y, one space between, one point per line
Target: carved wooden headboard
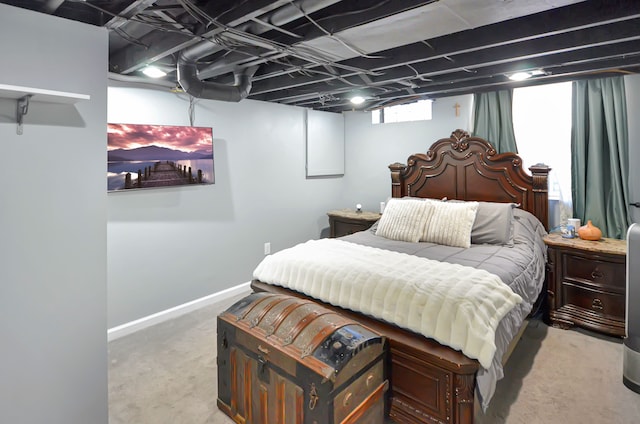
468 168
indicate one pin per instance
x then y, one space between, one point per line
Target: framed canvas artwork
151 156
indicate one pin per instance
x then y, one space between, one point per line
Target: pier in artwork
163 174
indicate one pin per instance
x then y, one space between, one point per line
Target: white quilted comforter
456 305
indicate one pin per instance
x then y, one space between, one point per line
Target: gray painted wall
370 148
53 359
173 245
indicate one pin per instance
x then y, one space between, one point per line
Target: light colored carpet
563 376
166 374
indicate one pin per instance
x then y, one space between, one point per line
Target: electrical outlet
267 248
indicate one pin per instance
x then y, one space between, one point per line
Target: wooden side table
587 283
347 221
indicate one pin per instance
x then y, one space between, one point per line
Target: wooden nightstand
347 221
587 283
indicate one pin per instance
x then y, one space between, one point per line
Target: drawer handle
263 349
596 274
369 380
347 399
597 304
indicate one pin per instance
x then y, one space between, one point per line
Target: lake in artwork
152 156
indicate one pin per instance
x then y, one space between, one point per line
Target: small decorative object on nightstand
589 232
348 221
587 283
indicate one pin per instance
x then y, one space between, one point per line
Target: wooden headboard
468 168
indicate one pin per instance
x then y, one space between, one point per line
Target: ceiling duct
189 81
50 6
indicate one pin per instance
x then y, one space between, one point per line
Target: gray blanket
521 267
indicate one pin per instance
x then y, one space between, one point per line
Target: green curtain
493 119
599 155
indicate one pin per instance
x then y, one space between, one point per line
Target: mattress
521 267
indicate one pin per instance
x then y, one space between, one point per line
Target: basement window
417 111
549 143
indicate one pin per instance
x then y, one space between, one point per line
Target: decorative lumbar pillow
450 223
493 224
404 219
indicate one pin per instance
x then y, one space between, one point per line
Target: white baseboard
145 322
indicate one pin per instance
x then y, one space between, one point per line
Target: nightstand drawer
598 301
346 228
595 271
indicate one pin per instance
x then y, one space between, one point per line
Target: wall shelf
41 95
25 95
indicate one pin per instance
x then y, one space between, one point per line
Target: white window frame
422 110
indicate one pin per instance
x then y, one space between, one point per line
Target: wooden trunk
428 382
285 360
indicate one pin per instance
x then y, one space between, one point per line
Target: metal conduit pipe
278 17
291 12
284 14
187 60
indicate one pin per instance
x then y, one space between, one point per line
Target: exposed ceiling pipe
291 12
188 75
189 81
278 17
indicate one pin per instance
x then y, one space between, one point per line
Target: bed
429 381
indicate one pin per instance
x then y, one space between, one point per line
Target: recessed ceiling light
153 72
521 76
357 100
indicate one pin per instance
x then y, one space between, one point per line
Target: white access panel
325 143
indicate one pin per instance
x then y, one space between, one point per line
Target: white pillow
450 223
404 219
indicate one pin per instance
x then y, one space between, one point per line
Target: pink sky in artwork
186 139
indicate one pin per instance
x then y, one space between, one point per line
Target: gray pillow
493 224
